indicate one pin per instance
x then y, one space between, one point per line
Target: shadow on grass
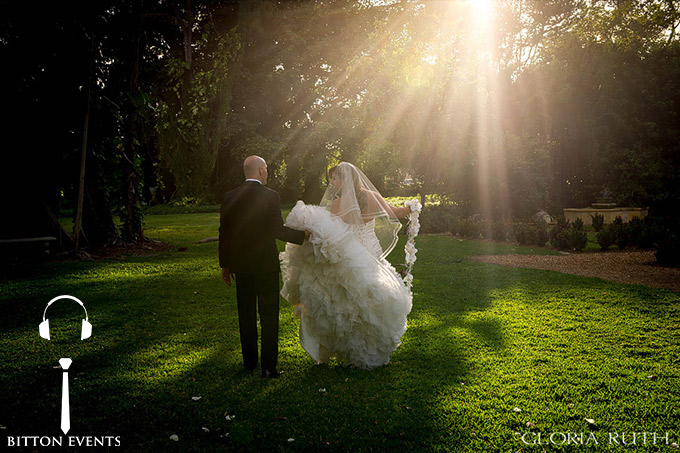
156 345
161 345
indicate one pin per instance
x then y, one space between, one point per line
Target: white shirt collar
256 180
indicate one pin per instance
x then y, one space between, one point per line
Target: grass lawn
488 350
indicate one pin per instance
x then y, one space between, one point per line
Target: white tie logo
65 411
86 332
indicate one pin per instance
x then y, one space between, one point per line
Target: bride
351 302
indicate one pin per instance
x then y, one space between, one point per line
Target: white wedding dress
351 303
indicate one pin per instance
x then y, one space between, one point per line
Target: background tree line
531 105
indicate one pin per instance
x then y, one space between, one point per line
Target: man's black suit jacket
250 223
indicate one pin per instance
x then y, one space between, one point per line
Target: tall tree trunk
78 224
186 21
221 179
132 225
188 24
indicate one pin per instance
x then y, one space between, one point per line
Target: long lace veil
358 202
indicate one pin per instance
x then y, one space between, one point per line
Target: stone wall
609 214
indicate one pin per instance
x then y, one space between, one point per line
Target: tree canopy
504 107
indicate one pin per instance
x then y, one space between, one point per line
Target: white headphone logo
86 331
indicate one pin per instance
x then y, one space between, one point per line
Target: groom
250 223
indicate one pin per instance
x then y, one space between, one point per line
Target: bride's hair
359 189
358 202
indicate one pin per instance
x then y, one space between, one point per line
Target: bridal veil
358 202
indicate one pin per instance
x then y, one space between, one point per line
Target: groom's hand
226 275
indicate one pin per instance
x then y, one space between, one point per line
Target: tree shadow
117 393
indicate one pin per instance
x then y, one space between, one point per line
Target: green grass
163 209
482 340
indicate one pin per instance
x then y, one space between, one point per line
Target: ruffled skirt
351 305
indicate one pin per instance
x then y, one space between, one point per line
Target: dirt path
637 267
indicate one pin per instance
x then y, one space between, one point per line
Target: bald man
250 223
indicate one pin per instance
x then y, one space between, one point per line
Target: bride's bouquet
410 249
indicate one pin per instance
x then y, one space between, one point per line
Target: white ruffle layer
351 305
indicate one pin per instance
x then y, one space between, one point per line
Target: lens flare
483 9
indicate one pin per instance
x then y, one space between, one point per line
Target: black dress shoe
271 374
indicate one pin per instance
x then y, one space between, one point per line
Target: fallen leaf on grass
651 377
205 429
590 421
174 437
195 398
530 425
517 409
230 417
291 440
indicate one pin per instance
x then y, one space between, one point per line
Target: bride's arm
399 212
335 206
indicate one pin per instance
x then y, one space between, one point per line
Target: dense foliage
524 106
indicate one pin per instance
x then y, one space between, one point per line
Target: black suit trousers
258 292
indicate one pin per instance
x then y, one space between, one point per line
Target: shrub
598 222
496 230
469 228
441 218
499 231
562 221
668 253
531 234
541 234
566 236
578 224
187 201
559 237
605 237
637 227
621 234
645 232
521 233
578 239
